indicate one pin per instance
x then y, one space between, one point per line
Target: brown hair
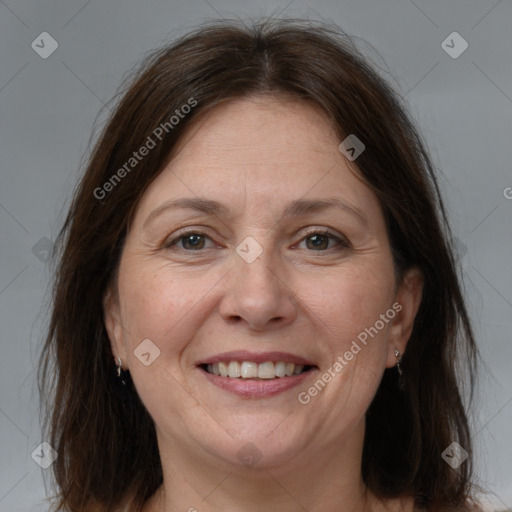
104 436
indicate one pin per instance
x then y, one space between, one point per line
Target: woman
257 306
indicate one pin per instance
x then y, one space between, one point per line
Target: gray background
48 108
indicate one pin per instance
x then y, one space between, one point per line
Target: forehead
262 151
268 127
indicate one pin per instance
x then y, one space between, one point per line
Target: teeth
280 368
251 370
266 371
298 369
223 368
234 369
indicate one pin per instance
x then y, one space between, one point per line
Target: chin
255 445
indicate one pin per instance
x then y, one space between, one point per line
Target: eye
320 241
188 241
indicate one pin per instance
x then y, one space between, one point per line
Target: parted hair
104 436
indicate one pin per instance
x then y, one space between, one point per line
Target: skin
256 156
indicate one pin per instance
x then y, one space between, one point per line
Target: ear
407 303
113 325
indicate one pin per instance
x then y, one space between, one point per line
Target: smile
256 375
253 370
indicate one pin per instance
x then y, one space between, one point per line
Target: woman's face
277 256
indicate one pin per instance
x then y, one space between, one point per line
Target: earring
122 374
399 369
398 357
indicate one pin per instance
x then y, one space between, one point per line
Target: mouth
252 370
256 375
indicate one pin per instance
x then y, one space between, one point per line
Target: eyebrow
294 209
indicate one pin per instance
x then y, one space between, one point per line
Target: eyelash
341 242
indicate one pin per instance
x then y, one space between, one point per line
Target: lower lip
257 388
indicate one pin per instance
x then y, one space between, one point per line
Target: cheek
157 305
162 304
350 300
147 304
348 308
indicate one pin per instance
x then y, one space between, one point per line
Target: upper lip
255 357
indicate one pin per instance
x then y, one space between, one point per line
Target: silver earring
122 374
399 359
399 369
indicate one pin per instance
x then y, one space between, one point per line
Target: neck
323 479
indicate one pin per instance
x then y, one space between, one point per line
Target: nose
258 295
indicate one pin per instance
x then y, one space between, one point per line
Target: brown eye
318 242
322 241
192 241
189 241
